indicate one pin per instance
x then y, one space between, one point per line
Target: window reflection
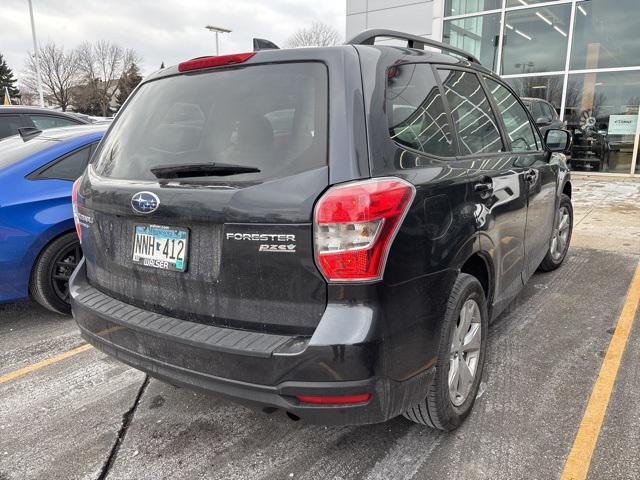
461 7
515 118
415 110
605 34
476 35
519 3
602 112
548 88
535 39
475 125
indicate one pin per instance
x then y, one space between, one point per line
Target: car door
540 175
497 192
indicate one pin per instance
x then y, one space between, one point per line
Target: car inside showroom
581 56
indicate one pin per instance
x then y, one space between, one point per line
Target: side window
472 116
415 111
516 120
50 121
9 125
69 167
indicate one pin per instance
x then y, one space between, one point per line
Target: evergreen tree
85 99
162 65
128 81
7 80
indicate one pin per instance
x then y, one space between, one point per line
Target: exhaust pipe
293 417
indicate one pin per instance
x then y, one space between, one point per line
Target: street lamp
35 51
217 30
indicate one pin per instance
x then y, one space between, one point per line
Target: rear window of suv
271 117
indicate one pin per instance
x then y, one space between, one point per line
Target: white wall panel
356 24
356 6
416 18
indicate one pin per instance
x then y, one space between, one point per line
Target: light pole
35 51
216 30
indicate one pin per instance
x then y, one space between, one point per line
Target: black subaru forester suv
322 231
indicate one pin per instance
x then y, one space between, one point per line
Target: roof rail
368 37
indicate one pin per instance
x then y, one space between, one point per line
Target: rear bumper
258 369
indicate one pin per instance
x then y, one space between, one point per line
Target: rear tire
445 407
561 238
49 285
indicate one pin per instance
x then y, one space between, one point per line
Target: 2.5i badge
291 247
267 242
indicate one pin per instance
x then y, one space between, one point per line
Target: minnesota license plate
161 247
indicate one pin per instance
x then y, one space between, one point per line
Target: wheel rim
560 240
63 266
465 352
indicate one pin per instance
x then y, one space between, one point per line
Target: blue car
39 248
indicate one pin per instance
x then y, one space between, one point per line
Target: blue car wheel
50 278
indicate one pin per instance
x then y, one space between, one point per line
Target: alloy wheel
465 352
560 238
62 267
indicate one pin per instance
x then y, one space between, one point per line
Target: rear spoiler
262 44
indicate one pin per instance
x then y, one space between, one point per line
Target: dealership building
582 56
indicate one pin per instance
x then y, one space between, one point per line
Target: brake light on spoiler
214 61
354 226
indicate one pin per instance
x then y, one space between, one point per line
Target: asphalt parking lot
68 411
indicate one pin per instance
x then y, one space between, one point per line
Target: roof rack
368 37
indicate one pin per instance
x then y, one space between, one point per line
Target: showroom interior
582 56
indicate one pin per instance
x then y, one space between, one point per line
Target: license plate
161 247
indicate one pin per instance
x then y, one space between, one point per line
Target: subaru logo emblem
145 202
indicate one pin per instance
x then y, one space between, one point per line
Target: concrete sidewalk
606 214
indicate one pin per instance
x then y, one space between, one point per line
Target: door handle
485 189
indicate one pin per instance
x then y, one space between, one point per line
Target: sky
168 31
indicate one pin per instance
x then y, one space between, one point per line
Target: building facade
582 56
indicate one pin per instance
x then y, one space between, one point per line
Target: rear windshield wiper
191 170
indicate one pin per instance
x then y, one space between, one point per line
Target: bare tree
28 96
102 64
317 35
59 72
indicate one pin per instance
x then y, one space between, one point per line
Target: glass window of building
477 35
599 107
605 35
548 88
534 107
602 113
519 3
474 121
515 118
535 39
415 110
461 7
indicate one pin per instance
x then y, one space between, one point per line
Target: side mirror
543 121
558 140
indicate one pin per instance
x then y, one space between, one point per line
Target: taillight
354 226
216 61
74 204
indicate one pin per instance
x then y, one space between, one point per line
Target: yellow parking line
21 372
579 459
